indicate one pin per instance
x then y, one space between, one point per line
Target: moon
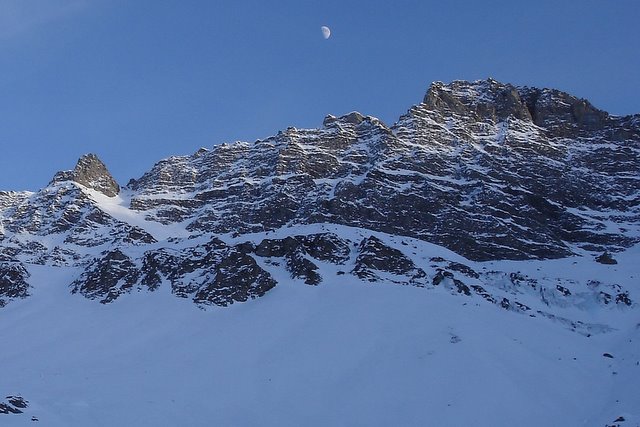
326 32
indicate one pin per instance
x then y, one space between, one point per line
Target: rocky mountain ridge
487 170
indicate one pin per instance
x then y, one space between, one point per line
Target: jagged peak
353 118
552 105
484 98
465 88
201 152
91 172
495 100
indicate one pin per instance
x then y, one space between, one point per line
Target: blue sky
137 81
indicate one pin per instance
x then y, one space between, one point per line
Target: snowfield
344 353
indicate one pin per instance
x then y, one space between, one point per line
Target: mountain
509 215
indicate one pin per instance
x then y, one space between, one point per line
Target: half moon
326 32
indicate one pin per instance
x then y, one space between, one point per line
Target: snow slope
345 353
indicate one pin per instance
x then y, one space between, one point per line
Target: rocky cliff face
488 170
91 173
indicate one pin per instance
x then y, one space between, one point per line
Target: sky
138 81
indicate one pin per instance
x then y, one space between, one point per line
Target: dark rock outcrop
237 278
92 173
489 170
13 405
296 250
374 257
13 280
606 258
212 273
107 277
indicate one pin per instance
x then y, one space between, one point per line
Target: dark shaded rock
623 298
194 268
138 235
292 249
13 280
606 258
212 273
326 247
543 206
246 247
108 277
483 293
15 405
17 401
237 278
440 276
155 266
461 287
561 111
374 256
377 256
303 268
519 279
8 409
564 291
464 269
522 307
277 247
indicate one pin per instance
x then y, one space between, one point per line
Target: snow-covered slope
347 352
476 263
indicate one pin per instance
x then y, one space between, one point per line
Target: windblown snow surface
345 353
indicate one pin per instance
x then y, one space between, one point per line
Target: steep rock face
489 170
72 221
481 101
92 173
237 278
562 113
375 257
296 250
215 273
297 263
211 274
13 280
519 189
107 277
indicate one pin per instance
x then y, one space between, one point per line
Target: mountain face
504 218
487 170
